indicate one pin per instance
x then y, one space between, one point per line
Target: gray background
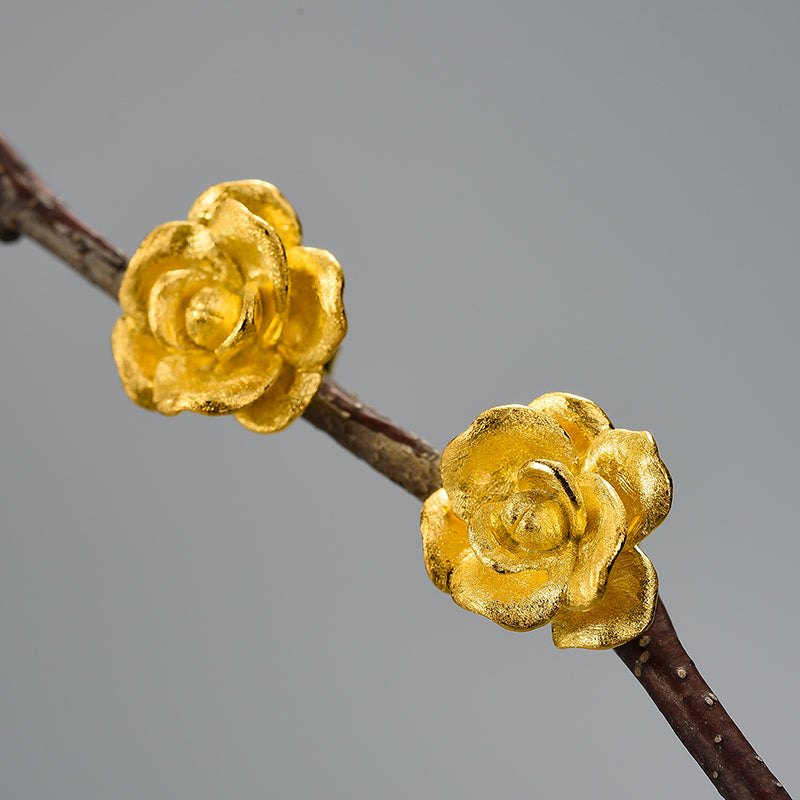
593 197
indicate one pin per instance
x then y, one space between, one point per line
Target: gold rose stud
542 509
227 313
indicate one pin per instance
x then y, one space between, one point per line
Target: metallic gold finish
227 314
539 518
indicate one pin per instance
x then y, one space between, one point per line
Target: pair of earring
542 507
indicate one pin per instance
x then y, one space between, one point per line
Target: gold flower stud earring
226 313
542 509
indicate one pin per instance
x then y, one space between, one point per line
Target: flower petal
254 246
497 549
520 602
137 355
552 479
625 611
283 402
167 307
246 328
262 198
606 528
172 246
483 461
580 418
444 538
198 382
629 461
316 321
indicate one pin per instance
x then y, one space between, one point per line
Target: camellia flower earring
542 509
226 313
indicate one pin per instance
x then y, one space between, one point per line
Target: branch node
8 234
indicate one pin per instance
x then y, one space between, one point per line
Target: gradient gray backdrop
599 198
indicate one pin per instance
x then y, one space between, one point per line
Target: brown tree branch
396 453
657 659
28 206
666 672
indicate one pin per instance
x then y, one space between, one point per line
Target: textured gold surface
539 518
227 313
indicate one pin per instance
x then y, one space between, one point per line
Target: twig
657 659
667 673
28 206
396 453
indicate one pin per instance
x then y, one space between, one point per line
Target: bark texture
665 671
